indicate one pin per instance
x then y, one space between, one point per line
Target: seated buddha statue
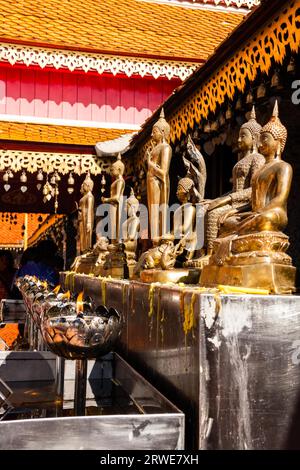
249 162
251 249
162 258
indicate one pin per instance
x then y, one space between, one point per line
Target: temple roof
130 27
26 132
11 228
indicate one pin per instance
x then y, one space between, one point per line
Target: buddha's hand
226 216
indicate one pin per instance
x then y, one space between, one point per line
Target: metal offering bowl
31 294
80 336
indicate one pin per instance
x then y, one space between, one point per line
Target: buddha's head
273 136
249 134
184 189
161 129
118 167
87 185
132 204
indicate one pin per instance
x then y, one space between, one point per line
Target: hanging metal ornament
228 114
276 81
222 119
214 126
47 192
57 177
249 98
103 183
71 180
52 179
207 127
238 105
291 68
40 176
261 91
23 177
56 193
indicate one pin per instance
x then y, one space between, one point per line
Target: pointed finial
253 113
275 110
162 113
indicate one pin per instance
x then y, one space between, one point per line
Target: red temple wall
78 96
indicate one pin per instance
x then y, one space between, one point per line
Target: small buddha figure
86 214
158 182
100 249
250 161
116 198
184 226
130 229
251 250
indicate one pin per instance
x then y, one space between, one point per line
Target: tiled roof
130 27
56 134
9 334
11 228
44 227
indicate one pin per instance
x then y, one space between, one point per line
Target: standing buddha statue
115 260
86 214
115 199
158 182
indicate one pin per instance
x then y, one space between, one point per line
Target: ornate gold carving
63 163
270 43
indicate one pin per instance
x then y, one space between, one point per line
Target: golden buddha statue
249 162
157 264
86 214
115 260
130 229
158 182
251 250
116 198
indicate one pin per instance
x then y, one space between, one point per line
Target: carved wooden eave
94 62
227 5
264 38
48 162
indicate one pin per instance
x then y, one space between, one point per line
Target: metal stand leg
80 386
60 375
